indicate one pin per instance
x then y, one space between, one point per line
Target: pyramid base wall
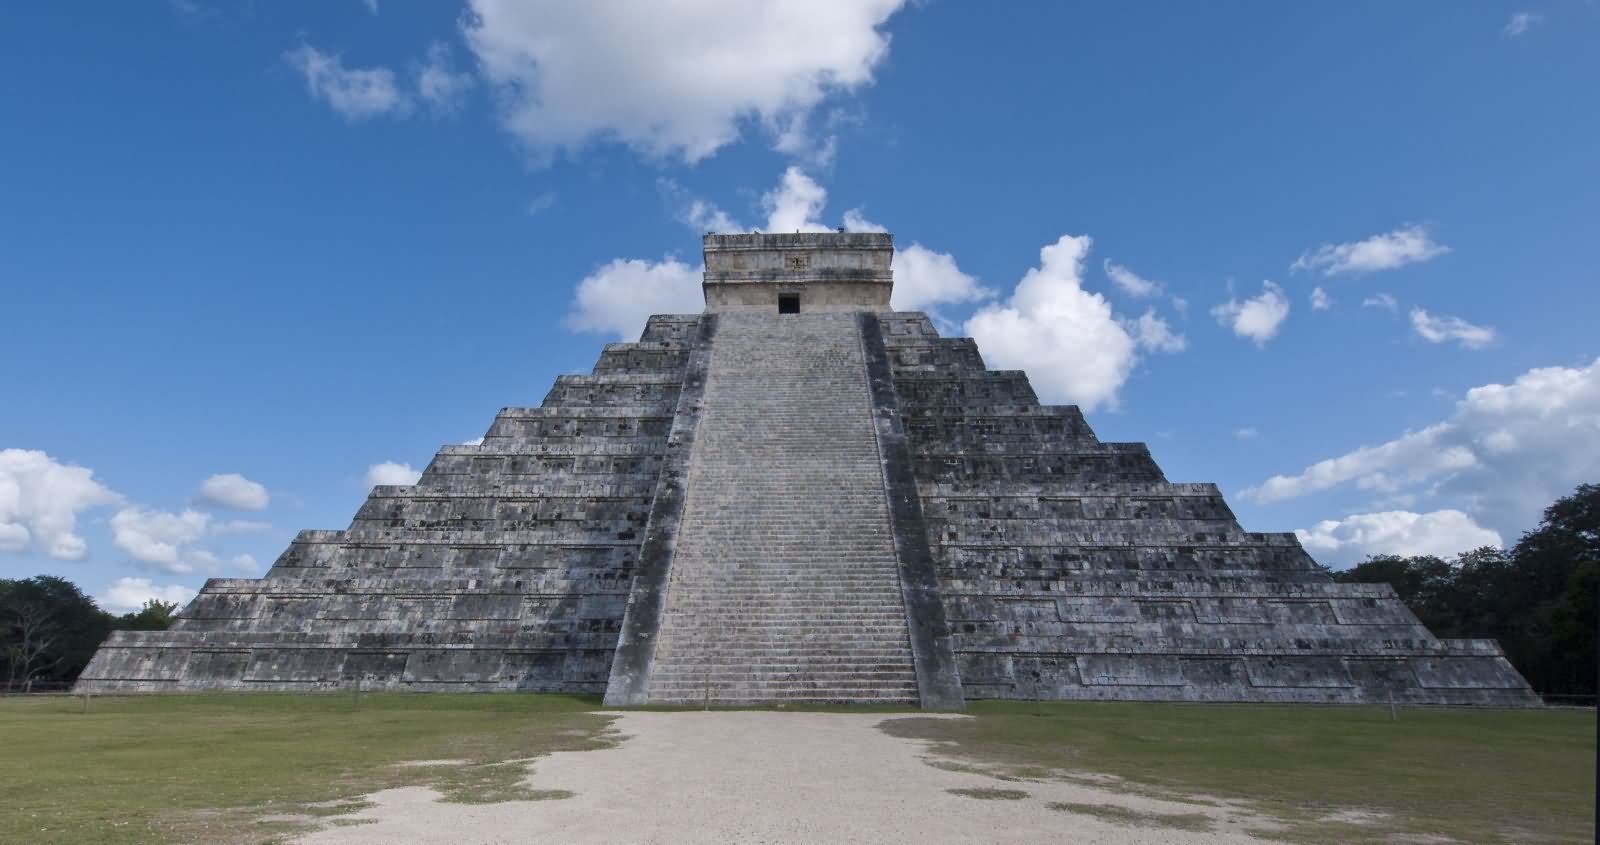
129 666
1485 681
1474 681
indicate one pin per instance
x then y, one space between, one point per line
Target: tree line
1538 598
49 629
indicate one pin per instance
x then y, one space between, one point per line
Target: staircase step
784 583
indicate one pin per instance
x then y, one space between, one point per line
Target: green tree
156 615
1573 624
48 630
1555 587
1537 598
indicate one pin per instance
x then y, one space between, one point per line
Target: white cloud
355 93
161 539
795 138
1520 22
194 12
1246 433
1506 453
706 217
1257 318
608 300
1500 442
542 202
855 221
40 500
439 84
924 278
392 474
234 492
1320 301
620 296
1444 533
795 204
129 594
1130 283
812 138
1407 245
201 560
372 6
1414 457
239 526
13 537
1153 333
698 214
476 441
681 81
1441 329
1381 300
1072 345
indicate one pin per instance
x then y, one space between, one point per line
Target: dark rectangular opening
788 303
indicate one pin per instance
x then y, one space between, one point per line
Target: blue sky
1337 258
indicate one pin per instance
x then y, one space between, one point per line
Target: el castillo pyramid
801 495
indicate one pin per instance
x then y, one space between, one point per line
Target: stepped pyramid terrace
802 495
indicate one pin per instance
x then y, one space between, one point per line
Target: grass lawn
203 768
207 768
1480 776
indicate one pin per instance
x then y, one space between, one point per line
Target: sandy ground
767 777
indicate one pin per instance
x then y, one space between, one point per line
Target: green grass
1478 776
206 768
203 768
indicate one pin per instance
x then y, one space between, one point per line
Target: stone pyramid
801 495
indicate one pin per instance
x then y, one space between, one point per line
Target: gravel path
769 777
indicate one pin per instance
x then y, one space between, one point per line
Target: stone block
291 665
1286 671
1142 670
1465 673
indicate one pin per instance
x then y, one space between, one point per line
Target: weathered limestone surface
840 273
506 567
834 505
1072 569
785 585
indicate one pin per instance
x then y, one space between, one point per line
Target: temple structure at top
788 274
802 495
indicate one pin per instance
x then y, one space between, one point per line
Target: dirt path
766 777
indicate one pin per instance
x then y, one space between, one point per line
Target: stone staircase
784 586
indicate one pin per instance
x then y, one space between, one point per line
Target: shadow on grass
1476 776
207 767
986 793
